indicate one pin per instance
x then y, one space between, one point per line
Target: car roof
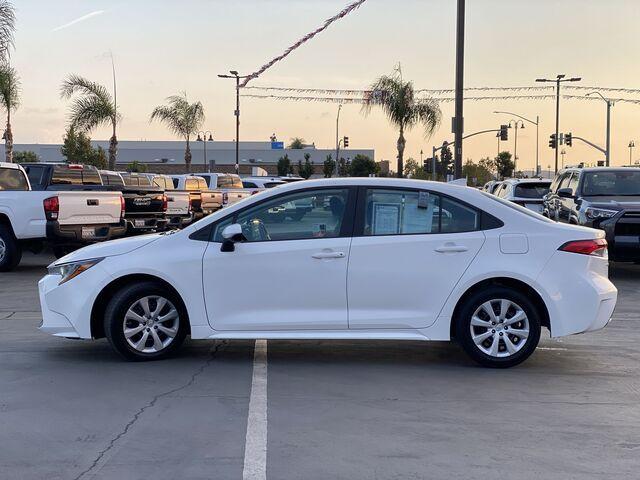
516 181
14 166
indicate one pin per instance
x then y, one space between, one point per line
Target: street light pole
631 145
204 141
537 124
458 121
558 80
515 145
563 153
338 138
608 139
234 74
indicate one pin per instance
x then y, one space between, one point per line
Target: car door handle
323 255
451 248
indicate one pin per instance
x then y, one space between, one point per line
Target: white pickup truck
62 219
179 208
203 200
228 184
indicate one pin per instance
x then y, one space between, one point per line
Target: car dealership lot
73 409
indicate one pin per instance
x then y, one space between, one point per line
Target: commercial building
168 156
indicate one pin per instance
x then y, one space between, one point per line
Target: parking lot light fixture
237 77
202 137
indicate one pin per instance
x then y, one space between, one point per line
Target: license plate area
88 232
139 223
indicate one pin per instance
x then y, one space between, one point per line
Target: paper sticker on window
319 230
423 200
386 219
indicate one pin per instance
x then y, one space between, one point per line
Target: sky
164 47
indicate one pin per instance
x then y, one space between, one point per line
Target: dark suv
606 198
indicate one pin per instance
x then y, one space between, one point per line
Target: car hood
614 202
110 248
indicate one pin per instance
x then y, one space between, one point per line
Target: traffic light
504 133
553 141
568 139
346 142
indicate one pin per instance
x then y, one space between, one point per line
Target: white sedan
375 259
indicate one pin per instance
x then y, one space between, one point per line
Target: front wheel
498 327
145 321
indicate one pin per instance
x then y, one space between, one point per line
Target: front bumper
83 234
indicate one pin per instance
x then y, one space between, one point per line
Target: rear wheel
10 250
145 322
498 327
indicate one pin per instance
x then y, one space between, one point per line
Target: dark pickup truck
145 204
606 198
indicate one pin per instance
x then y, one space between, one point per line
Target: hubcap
499 328
151 324
3 249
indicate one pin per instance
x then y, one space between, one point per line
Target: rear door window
13 179
36 174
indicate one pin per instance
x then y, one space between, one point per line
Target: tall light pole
558 80
338 139
631 145
537 124
516 124
458 120
608 140
498 137
234 74
204 141
563 152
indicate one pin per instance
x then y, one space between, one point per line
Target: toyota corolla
372 259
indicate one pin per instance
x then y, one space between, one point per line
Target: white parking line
255 446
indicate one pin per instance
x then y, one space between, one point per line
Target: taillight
165 201
596 247
122 206
225 198
51 208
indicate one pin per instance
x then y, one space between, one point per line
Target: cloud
78 20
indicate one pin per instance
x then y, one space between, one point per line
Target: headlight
72 269
594 213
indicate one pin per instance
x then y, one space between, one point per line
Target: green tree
411 167
297 143
136 166
10 100
7 28
92 106
184 119
362 166
77 148
284 166
504 165
398 101
305 170
476 173
26 156
328 166
446 160
344 167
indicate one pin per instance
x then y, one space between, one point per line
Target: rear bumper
179 221
578 294
145 224
83 234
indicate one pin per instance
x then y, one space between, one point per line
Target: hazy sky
163 47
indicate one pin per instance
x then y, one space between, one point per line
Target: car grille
628 224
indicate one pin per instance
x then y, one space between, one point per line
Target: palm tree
7 28
398 101
9 99
92 107
184 119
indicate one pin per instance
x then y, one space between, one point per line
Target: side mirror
565 193
232 234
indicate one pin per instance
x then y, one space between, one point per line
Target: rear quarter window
13 179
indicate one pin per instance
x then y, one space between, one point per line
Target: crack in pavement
144 408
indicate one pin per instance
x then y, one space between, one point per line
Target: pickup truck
228 184
145 204
64 220
179 211
203 201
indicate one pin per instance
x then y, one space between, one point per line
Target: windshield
532 190
611 183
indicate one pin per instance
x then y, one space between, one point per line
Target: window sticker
386 218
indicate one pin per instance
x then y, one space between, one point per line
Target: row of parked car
66 206
606 198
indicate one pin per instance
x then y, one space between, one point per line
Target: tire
151 339
479 340
10 250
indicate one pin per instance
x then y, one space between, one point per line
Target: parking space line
255 447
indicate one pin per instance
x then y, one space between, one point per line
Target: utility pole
338 139
563 152
458 120
631 145
610 104
498 137
558 80
234 74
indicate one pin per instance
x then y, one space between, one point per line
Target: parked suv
527 192
606 198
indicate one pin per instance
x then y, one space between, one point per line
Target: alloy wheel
499 328
3 249
151 324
